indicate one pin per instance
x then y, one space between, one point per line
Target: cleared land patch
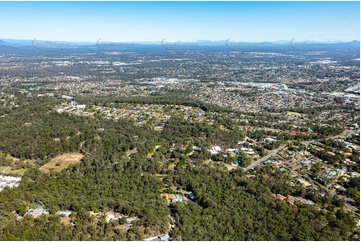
62 162
18 172
8 170
297 114
213 164
3 169
130 152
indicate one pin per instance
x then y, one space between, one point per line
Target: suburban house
65 213
177 199
38 210
215 150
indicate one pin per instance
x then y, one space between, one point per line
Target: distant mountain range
230 44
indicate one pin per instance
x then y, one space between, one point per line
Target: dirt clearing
62 162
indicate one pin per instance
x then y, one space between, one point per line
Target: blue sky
180 21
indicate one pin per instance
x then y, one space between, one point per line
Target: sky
180 21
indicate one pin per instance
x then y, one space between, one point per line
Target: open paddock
62 162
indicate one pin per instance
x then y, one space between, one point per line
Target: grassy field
62 162
10 170
19 172
3 169
213 164
296 114
230 167
65 220
7 170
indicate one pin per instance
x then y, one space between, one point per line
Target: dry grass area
3 169
15 162
171 166
65 220
31 162
168 197
207 162
130 152
230 167
297 114
213 164
9 171
62 162
19 172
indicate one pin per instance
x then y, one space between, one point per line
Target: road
256 163
315 183
274 152
347 200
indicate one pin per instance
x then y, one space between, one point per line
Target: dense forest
227 205
232 207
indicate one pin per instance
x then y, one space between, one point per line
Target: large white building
8 181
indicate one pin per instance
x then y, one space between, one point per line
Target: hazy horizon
184 41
